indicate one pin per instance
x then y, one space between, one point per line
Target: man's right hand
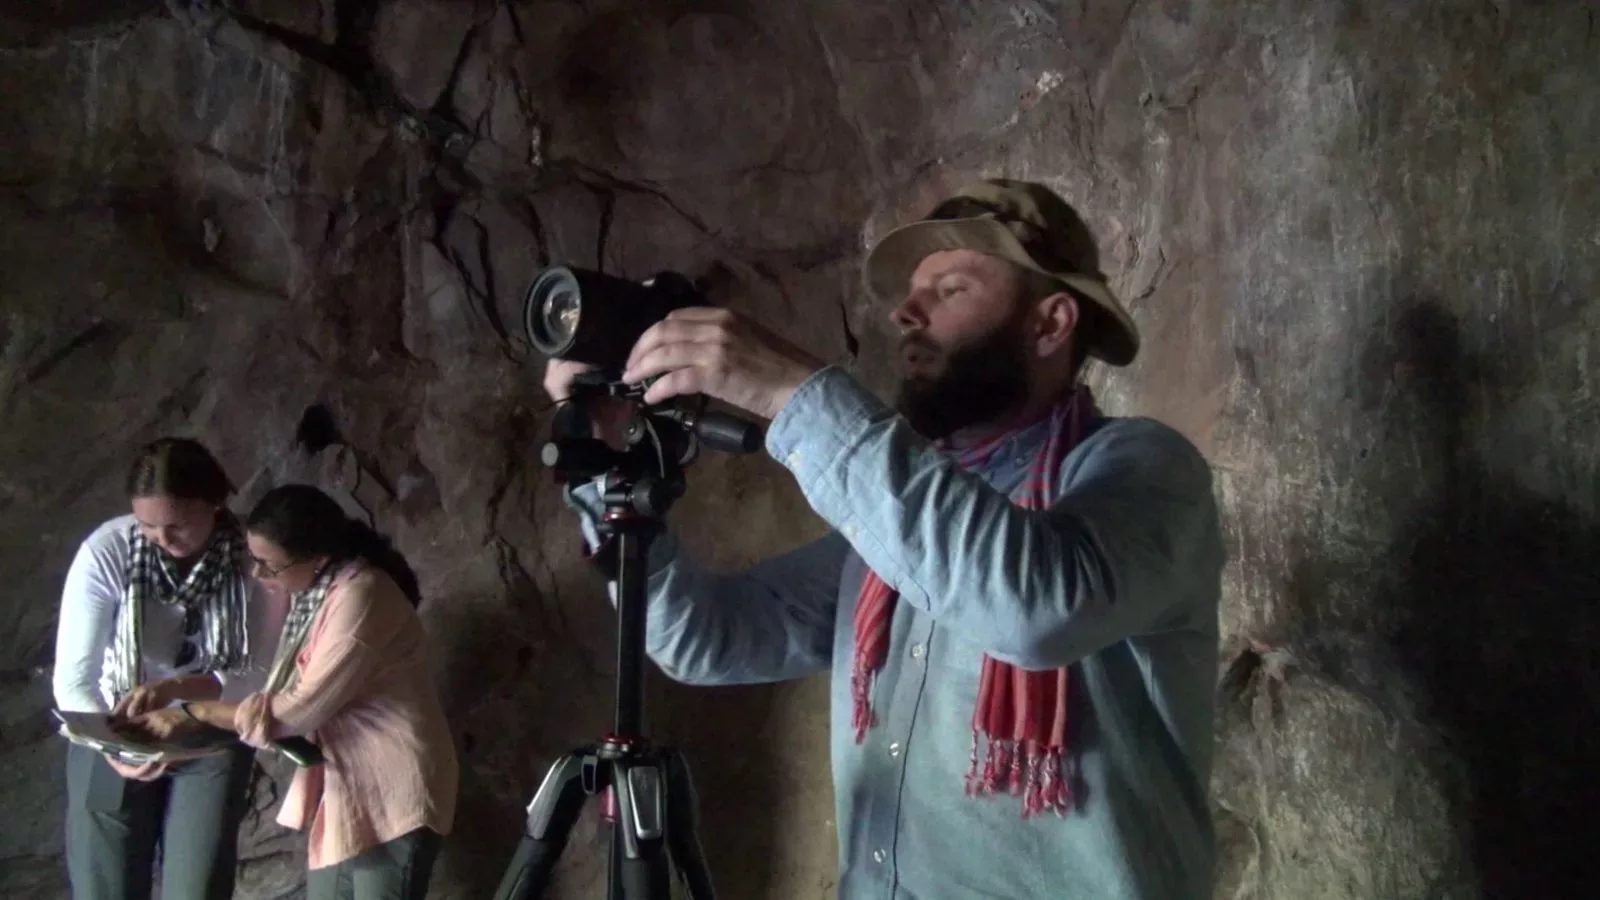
608 416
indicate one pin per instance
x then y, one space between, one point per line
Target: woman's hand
159 725
149 771
143 699
157 694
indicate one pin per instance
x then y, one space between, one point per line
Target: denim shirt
1120 579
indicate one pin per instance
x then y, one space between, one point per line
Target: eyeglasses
263 569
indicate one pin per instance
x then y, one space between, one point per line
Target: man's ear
1057 319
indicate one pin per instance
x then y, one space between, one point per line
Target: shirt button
793 459
917 650
894 749
878 855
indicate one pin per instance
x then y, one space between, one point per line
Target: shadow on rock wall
1497 590
1423 717
1456 715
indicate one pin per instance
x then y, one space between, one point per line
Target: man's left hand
707 350
160 725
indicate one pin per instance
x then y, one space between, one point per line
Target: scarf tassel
1026 768
861 692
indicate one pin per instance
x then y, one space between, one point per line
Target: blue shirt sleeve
1038 589
771 622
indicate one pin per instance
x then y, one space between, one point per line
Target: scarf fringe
1034 772
861 691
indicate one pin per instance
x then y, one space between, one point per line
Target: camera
591 317
586 316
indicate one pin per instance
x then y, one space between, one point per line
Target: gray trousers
115 824
394 870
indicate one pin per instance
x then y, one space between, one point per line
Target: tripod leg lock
640 787
641 802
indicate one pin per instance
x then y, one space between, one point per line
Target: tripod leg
641 824
614 858
683 833
551 814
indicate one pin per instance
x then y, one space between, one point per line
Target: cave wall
1360 238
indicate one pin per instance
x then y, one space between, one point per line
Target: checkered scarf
214 587
303 608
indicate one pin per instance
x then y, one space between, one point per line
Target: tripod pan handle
728 434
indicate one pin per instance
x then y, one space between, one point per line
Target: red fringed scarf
1021 715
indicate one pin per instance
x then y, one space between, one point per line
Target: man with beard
1018 602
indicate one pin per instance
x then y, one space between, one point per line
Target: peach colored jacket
366 697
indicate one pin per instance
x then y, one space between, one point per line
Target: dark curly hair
306 522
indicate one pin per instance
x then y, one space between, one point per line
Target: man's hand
706 350
160 725
144 772
608 416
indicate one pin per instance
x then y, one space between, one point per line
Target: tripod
647 793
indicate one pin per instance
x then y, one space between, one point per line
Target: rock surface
1360 239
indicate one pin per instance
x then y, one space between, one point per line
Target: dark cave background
1362 239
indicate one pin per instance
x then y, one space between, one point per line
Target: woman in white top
159 607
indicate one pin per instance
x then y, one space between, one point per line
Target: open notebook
94 730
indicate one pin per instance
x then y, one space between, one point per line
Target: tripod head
647 477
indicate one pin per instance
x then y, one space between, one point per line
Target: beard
981 381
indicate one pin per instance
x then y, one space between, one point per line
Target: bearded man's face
962 357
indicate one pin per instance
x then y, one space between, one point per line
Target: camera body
587 316
591 317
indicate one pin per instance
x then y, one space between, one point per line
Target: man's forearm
1035 588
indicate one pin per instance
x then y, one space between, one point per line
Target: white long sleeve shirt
89 601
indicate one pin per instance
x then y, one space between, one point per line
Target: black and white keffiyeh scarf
212 596
303 608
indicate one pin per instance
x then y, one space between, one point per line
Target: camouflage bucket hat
1023 222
